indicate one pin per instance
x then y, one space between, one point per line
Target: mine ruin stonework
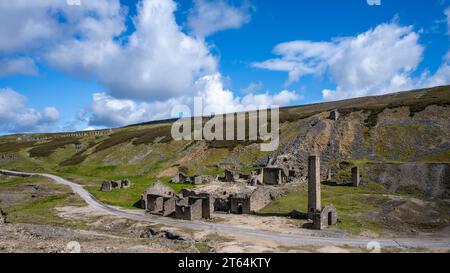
228 177
274 176
322 218
189 209
325 218
157 190
240 204
334 115
355 177
106 186
112 185
314 198
247 203
180 178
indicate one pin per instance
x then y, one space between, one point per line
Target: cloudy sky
108 63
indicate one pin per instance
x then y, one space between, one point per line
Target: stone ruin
254 179
280 170
327 217
246 202
193 208
322 217
108 186
159 199
181 178
229 176
240 203
334 115
275 175
356 178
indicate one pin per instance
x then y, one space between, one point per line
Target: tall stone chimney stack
314 198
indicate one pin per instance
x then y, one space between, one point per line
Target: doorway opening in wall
240 210
330 219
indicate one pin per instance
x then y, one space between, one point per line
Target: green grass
40 210
43 211
353 205
130 198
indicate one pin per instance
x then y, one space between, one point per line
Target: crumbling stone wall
240 204
155 203
228 177
169 206
327 217
190 212
260 198
106 186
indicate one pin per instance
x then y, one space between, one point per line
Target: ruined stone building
228 177
246 203
202 180
187 209
125 183
327 217
180 178
275 175
112 185
240 203
162 205
151 202
194 207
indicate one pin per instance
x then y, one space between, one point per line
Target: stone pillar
355 176
314 204
329 175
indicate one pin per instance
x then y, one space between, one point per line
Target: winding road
283 238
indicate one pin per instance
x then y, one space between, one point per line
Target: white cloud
113 112
15 116
220 100
17 66
208 17
375 62
157 62
107 111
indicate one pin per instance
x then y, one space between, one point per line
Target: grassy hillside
403 127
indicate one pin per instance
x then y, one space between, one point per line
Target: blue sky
111 63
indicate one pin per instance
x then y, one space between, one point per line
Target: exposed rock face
431 179
392 134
